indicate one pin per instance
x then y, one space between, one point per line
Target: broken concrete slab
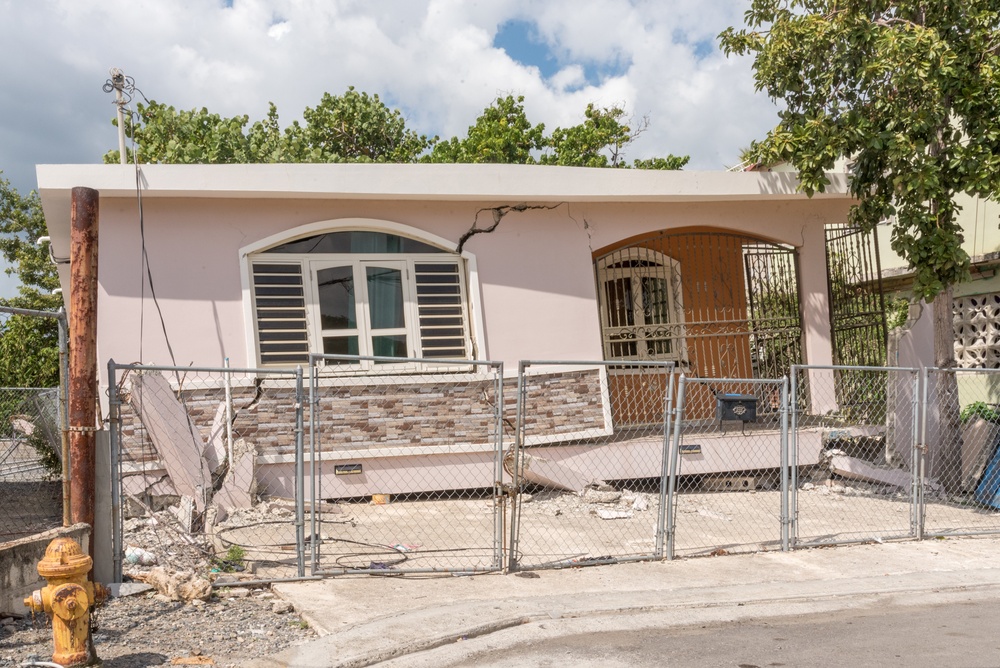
174 434
240 486
853 468
215 449
547 473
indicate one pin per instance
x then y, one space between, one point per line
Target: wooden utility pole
83 353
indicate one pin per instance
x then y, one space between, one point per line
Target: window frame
310 263
665 267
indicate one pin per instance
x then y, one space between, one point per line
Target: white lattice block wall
977 331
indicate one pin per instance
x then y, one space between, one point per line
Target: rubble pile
601 500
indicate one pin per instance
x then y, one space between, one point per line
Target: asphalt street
905 633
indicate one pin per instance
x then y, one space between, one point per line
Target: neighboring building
724 274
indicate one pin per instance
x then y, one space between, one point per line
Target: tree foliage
29 346
908 90
503 134
354 126
359 127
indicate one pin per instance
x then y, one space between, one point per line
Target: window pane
618 293
336 298
355 242
385 297
389 346
340 345
655 307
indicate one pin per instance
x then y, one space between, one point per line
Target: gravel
236 625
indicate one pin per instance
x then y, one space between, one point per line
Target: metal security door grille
857 307
718 305
773 298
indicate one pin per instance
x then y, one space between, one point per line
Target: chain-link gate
405 462
728 467
588 466
854 434
961 454
208 465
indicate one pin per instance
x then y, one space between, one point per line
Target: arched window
640 299
358 292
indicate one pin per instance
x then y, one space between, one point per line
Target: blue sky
440 61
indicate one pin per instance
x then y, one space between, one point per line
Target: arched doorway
717 304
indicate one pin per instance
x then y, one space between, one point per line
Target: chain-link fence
726 491
30 462
208 465
406 465
589 463
854 432
418 466
961 462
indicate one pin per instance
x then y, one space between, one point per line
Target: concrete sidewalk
365 620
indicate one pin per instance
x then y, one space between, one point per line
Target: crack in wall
498 215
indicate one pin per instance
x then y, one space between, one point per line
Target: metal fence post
300 538
313 491
498 495
919 457
516 466
114 424
668 416
793 459
785 504
670 505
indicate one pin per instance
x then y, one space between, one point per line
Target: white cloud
433 58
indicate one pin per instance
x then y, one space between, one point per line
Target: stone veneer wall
389 413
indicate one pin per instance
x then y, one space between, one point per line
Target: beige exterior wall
978 217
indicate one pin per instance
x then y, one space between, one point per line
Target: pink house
263 264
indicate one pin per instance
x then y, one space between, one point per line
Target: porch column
818 344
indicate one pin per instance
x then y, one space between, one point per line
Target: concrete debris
640 504
240 486
174 434
128 588
185 513
853 468
23 424
706 512
178 585
608 514
282 607
591 495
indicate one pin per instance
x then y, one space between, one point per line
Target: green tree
501 134
909 91
354 126
600 141
29 347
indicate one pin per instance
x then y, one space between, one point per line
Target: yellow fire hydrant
68 599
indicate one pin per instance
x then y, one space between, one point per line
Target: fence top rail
28 389
848 367
203 369
12 310
622 363
315 358
747 381
937 369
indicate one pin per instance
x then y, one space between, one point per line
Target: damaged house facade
724 275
